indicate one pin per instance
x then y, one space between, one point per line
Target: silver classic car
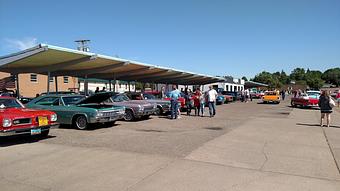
134 109
163 106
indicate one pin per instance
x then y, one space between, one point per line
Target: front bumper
27 130
106 119
144 113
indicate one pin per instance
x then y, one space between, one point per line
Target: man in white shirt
212 94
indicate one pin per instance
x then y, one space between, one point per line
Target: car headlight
141 108
54 117
6 122
100 114
122 111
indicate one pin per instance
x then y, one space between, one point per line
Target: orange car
271 97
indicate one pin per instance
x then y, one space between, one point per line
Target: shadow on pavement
315 125
21 139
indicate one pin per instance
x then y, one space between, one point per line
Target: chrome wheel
81 122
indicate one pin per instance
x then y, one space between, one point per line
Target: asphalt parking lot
246 146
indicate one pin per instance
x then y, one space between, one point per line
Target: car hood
96 98
23 113
159 101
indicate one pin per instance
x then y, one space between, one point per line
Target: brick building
32 84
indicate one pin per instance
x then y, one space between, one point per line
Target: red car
308 99
16 119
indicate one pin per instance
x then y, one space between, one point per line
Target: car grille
109 114
148 109
22 121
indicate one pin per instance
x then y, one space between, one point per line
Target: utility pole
83 45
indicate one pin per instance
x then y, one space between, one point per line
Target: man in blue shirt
174 95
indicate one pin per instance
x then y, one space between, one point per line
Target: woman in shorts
325 108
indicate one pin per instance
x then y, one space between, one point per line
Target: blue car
220 100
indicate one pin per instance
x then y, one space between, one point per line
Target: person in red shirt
196 98
338 98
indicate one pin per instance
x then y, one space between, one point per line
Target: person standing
283 94
212 94
202 99
97 90
338 98
174 95
196 98
325 107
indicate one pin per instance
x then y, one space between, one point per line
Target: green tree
332 76
313 79
268 78
298 74
244 78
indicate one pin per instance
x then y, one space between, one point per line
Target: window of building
34 78
51 79
65 79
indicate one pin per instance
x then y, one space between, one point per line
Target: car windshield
120 98
10 103
71 100
149 96
313 93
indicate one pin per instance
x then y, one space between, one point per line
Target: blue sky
216 37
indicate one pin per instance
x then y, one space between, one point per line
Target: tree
268 78
313 79
297 74
332 76
244 78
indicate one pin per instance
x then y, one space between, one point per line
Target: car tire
44 134
129 115
158 111
146 116
80 122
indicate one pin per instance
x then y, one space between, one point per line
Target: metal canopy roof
67 62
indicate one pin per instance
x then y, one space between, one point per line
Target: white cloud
21 44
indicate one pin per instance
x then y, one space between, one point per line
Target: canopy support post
48 82
110 86
129 86
135 85
17 82
86 86
114 82
56 84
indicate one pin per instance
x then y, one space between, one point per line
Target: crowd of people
196 101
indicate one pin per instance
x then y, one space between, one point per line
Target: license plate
35 131
42 121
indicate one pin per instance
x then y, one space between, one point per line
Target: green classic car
78 110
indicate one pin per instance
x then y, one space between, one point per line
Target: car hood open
96 98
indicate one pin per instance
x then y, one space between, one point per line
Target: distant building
120 86
31 84
230 84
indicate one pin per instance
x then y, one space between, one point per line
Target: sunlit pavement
247 146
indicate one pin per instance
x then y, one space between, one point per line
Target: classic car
271 97
308 99
163 106
220 99
181 100
16 119
134 109
79 111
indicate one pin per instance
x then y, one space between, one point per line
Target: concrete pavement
265 152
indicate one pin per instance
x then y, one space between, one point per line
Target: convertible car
308 99
79 111
16 119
